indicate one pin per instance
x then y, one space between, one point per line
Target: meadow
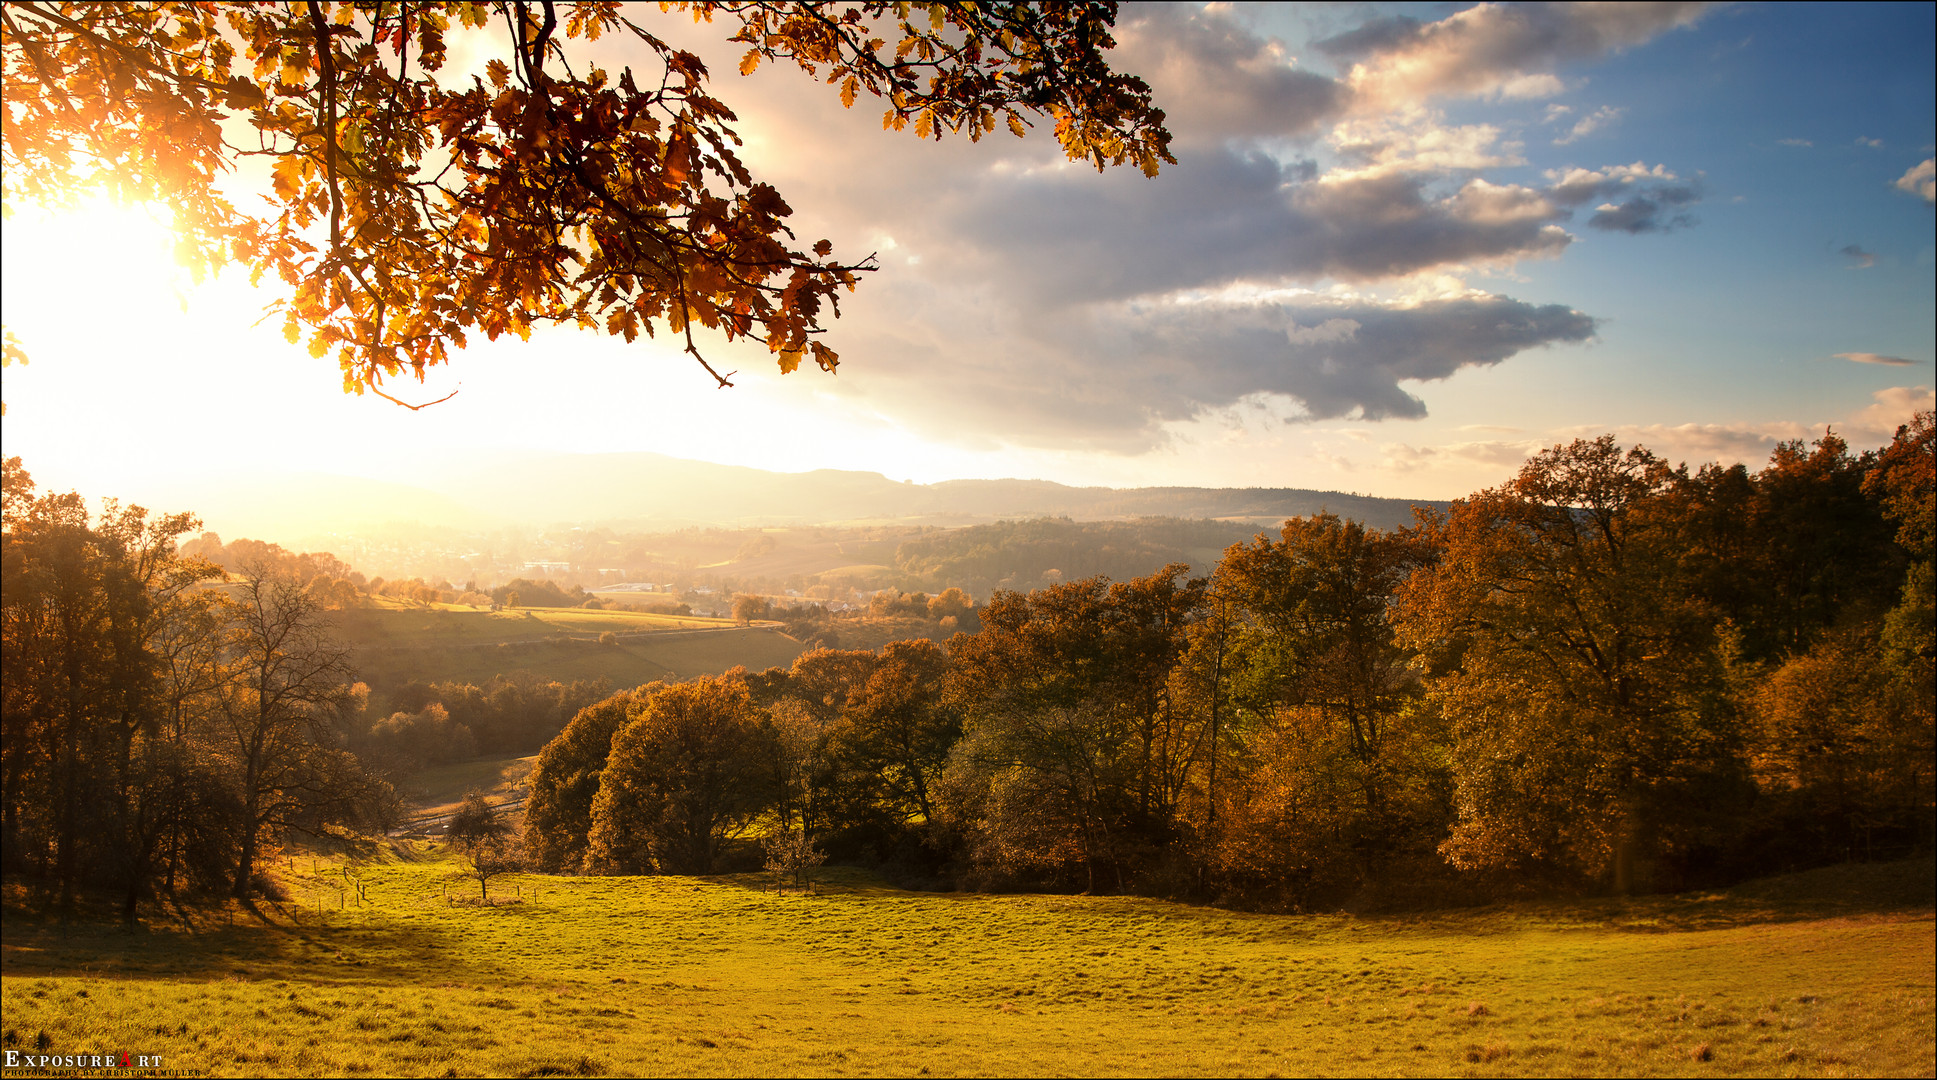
452 643
1820 974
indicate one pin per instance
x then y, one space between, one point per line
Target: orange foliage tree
411 205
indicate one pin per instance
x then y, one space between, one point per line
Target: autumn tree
1844 752
407 743
1579 674
412 204
749 608
565 780
894 736
96 681
1335 778
1788 552
951 602
682 777
1845 726
119 666
791 857
1073 756
1904 483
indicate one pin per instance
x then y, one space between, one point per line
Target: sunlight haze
1033 319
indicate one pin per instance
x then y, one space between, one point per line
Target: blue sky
1404 247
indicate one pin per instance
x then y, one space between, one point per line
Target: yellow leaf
750 61
1015 125
847 91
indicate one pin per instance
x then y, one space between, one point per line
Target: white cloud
1056 307
1874 358
1415 140
1492 49
1484 462
1507 455
1920 180
1222 218
1531 87
1877 424
1589 124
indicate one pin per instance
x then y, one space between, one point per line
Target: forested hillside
1608 673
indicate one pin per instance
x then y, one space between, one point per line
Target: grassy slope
1825 974
433 645
452 624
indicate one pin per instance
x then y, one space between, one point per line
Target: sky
1404 246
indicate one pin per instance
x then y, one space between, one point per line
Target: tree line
1608 672
165 722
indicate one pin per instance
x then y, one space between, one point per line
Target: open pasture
434 645
1824 974
456 624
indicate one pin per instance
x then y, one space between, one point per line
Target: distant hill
642 490
656 489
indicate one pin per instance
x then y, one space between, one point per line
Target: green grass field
1822 974
443 643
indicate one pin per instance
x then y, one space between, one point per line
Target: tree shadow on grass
252 941
831 881
1858 890
1906 887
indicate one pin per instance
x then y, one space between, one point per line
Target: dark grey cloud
1109 376
1864 259
1348 358
1633 199
1381 35
1026 299
1215 79
1647 212
1226 215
